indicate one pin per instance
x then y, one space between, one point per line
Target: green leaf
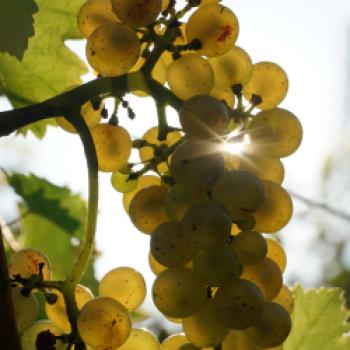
318 321
48 66
16 25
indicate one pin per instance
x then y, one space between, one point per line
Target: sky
310 39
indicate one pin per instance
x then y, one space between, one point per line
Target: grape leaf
48 66
16 25
319 321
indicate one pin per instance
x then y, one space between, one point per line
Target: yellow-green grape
208 2
266 275
271 328
147 208
178 200
113 146
122 183
239 192
88 113
94 13
177 341
265 168
203 116
141 339
275 210
196 165
238 303
206 224
155 266
143 182
250 247
216 27
28 339
57 312
285 299
125 285
225 96
151 136
217 265
137 13
190 75
112 49
178 292
104 323
234 67
268 81
276 253
26 263
169 246
203 329
275 133
25 307
165 4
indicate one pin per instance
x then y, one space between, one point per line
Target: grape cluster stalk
208 193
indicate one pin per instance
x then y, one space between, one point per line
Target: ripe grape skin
276 253
271 328
203 329
178 292
226 96
112 49
177 341
124 284
190 75
238 303
113 146
121 182
104 323
169 246
266 275
239 192
285 299
147 208
141 339
216 27
204 117
270 82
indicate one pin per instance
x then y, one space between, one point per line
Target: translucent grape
87 111
275 133
271 328
57 312
285 299
26 263
29 336
155 266
137 13
270 82
234 67
26 309
151 136
276 253
104 323
169 246
124 284
143 182
122 183
141 339
239 192
112 49
206 224
196 165
147 208
203 116
238 303
177 202
190 75
216 27
275 210
203 329
217 265
266 275
178 292
94 13
225 96
208 2
113 146
263 167
177 342
250 247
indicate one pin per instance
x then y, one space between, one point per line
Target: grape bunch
208 193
